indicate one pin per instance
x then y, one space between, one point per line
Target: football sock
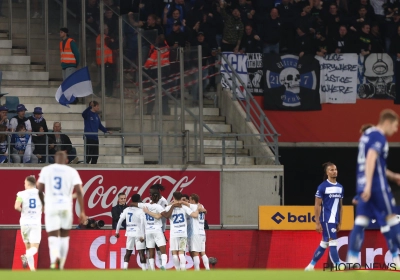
144 266
395 236
159 257
182 260
164 259
125 265
176 261
333 251
196 262
64 247
151 263
54 248
29 255
357 236
206 262
319 252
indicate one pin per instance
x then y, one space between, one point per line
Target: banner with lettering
338 78
238 62
292 83
376 77
101 188
255 83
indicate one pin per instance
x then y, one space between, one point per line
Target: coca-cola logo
105 197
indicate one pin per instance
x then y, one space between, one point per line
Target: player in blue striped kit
328 214
373 187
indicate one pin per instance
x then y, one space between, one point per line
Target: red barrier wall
91 249
334 123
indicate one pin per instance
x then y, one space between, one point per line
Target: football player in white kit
178 230
58 181
28 203
135 230
153 229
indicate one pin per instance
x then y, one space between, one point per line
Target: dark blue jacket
92 123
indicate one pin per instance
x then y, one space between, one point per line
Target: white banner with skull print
239 63
338 78
376 79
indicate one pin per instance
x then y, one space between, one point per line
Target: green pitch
245 274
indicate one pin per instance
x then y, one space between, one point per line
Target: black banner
291 83
255 82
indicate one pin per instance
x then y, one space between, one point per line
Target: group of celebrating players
145 222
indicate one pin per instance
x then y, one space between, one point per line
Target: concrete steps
25 76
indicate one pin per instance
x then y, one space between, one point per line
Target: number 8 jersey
178 221
31 214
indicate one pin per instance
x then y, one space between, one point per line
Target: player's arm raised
168 214
79 197
370 163
317 212
154 215
122 217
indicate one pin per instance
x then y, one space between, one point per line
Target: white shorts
58 219
178 243
31 234
197 243
155 238
133 241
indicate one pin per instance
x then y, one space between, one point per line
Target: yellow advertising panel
296 218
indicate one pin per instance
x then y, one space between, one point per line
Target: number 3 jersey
178 221
135 221
331 194
152 225
59 181
372 139
31 214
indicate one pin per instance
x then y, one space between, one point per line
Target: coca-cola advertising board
102 186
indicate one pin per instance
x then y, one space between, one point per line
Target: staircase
24 76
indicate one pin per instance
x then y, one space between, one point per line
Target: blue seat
12 103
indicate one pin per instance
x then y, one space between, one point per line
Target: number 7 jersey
178 221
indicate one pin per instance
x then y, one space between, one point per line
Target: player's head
364 127
388 122
135 198
194 198
155 192
121 198
185 198
61 157
177 196
330 170
30 182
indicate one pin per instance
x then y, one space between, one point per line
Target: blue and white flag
78 84
28 151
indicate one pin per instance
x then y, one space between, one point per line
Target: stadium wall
230 195
98 249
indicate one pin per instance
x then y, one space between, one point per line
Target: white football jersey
135 221
197 224
153 225
31 214
59 181
164 203
178 221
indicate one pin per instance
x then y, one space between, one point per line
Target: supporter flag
28 151
292 83
78 84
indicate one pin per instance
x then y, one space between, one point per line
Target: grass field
202 275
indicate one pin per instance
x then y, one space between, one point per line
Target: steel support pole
83 32
201 124
103 72
46 33
159 94
140 80
28 27
121 72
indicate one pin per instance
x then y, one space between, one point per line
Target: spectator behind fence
3 145
251 42
92 124
69 53
176 38
20 119
61 142
20 146
3 117
169 22
37 120
233 29
42 149
92 16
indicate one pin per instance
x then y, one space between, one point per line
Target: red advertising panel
99 249
101 189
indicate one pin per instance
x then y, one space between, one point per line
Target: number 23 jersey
178 221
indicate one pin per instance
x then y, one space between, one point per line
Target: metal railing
253 111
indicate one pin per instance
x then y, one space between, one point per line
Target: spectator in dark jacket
271 32
42 148
377 43
361 18
391 30
333 20
287 12
364 40
37 120
233 30
342 43
117 210
176 38
320 43
92 124
3 145
61 142
246 12
395 46
303 44
251 42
